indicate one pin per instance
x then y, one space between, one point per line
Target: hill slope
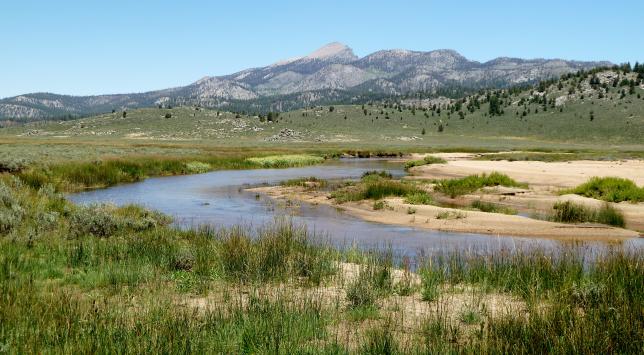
331 74
583 108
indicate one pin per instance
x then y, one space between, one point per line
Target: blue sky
97 47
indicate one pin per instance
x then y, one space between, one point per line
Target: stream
218 199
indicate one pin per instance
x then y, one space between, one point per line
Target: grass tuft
610 189
469 184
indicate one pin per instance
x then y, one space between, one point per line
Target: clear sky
99 47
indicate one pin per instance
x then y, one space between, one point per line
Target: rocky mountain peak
334 50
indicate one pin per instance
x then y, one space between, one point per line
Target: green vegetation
418 198
554 113
117 279
611 189
286 161
425 161
375 187
307 182
450 215
491 207
571 212
562 156
469 184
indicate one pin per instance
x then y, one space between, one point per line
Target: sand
544 179
425 216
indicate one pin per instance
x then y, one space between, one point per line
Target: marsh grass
425 161
570 212
307 182
492 208
78 175
375 187
286 161
610 189
469 184
237 290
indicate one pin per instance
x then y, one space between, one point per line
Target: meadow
118 279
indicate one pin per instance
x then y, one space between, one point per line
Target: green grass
375 187
610 189
286 161
425 161
469 184
492 208
308 182
419 198
126 285
618 120
553 156
570 212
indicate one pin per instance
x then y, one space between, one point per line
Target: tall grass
425 161
469 184
286 161
78 175
492 208
610 189
571 212
276 289
375 187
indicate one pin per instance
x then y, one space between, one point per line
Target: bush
11 212
610 189
105 221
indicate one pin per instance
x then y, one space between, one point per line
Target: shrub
94 220
105 221
11 212
610 189
12 165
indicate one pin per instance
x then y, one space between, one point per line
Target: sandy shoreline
544 179
425 216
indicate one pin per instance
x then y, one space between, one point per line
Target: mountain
331 74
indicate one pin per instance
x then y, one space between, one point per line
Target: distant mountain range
331 74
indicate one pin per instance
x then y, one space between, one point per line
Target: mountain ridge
332 72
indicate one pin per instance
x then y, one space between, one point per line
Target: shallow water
218 199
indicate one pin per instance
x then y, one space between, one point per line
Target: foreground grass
610 189
117 279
